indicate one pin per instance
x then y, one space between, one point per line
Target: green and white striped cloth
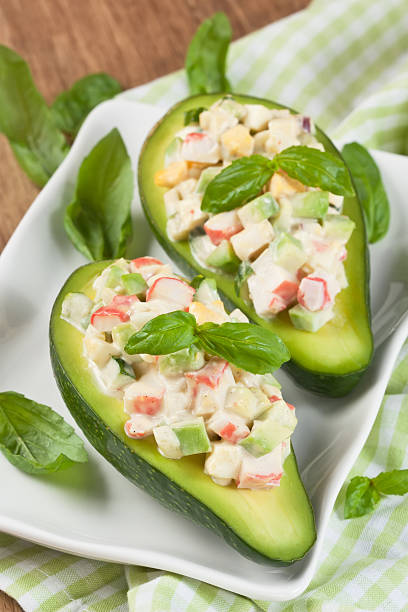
346 64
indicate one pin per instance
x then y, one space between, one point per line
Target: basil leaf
124 368
237 183
370 190
361 497
392 483
206 56
196 281
71 107
316 169
193 115
98 219
240 281
247 346
164 334
25 119
36 439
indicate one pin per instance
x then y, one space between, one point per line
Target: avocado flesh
330 361
272 527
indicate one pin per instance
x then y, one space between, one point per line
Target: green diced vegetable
206 177
193 437
121 334
207 292
288 252
338 227
257 210
188 359
172 152
114 277
134 283
309 321
224 257
310 204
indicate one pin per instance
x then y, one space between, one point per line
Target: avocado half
330 361
273 527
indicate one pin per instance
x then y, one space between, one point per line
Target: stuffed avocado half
324 317
192 458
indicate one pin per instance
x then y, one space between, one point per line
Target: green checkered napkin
344 62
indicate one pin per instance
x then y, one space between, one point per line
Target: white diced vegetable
223 463
76 310
252 240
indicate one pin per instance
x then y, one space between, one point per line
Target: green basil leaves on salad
166 333
363 493
71 107
245 345
193 115
244 178
26 120
36 439
206 56
370 190
98 219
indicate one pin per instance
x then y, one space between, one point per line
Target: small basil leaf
361 497
36 439
240 281
370 190
164 334
26 120
71 107
98 219
197 280
193 115
392 483
247 346
237 183
316 169
124 368
206 56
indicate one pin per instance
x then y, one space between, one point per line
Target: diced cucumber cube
192 437
223 257
235 108
201 247
114 276
172 153
188 359
288 252
263 207
206 177
310 204
275 426
207 292
339 227
307 320
121 334
76 310
248 403
116 374
134 283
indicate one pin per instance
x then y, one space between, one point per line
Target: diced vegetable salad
191 402
290 239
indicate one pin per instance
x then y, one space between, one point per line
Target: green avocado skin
101 419
329 362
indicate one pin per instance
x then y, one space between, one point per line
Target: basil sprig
36 439
193 115
363 494
206 56
242 180
98 219
71 107
370 190
26 120
247 346
166 333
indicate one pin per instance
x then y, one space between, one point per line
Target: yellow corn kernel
283 185
238 141
172 175
203 314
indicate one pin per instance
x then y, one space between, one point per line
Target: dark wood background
133 40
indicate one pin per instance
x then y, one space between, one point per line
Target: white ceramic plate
93 510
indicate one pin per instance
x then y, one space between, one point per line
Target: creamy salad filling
289 243
189 401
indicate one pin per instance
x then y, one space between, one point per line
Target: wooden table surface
133 40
